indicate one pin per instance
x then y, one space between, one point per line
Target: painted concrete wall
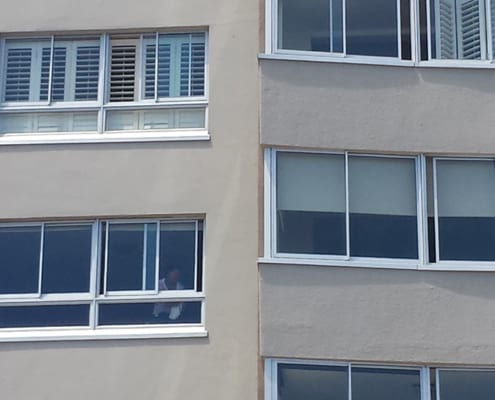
365 107
218 179
359 314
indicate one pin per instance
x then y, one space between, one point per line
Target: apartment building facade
128 216
377 268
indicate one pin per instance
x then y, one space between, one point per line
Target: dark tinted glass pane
405 22
380 384
315 382
423 31
308 232
44 316
383 207
467 385
131 250
66 258
466 209
311 25
19 259
372 28
149 313
177 256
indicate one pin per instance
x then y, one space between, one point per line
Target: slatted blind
18 74
164 61
87 68
58 73
470 38
192 69
122 72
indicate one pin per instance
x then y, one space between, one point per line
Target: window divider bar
425 383
104 75
189 86
40 270
483 29
347 211
145 256
196 234
349 381
267 209
435 203
157 41
421 204
94 272
273 195
437 384
105 272
344 27
415 35
399 29
330 3
489 22
157 257
428 28
50 69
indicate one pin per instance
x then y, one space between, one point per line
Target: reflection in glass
315 382
19 259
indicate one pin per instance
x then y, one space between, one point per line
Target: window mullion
415 31
157 40
489 29
103 76
399 29
483 29
428 27
40 270
435 205
425 383
50 69
145 255
94 272
344 27
157 257
107 226
437 383
347 213
196 233
349 381
422 217
189 75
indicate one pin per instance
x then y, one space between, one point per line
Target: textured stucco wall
377 315
216 178
377 108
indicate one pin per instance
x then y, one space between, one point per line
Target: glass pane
44 316
162 119
372 28
66 258
149 313
379 384
383 210
130 266
177 256
456 29
315 382
311 203
19 259
48 122
315 25
466 209
463 385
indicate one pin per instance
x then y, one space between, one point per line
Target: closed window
346 205
101 273
120 83
372 209
293 380
393 29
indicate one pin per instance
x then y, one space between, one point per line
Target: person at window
169 311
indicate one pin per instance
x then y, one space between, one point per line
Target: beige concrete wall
218 179
360 314
365 107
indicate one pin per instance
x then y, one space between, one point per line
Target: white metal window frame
272 50
271 374
103 105
93 298
272 256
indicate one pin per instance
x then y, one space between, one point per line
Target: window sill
114 333
108 137
461 266
466 64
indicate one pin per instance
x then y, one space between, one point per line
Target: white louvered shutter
469 29
164 65
58 73
86 74
123 71
17 84
192 69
